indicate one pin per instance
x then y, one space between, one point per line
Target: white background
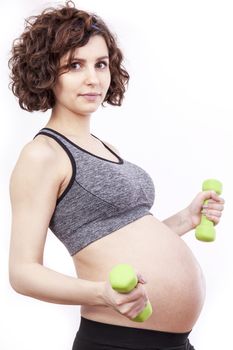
176 122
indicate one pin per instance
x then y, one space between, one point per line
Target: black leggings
101 336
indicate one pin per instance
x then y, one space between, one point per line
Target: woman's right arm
34 188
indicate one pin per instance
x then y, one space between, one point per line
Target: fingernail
143 280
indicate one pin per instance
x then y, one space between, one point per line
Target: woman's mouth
92 97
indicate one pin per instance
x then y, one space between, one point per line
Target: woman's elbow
18 281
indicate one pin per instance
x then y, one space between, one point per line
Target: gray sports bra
102 196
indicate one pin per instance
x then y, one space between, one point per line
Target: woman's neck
70 124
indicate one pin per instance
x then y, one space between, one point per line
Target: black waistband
134 338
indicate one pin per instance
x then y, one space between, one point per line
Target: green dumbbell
205 231
123 279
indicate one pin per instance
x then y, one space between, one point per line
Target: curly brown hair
36 54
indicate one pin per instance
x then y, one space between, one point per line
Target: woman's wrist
101 294
180 222
186 220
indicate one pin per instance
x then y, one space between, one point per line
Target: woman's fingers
213 215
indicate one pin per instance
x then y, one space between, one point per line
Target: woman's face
83 88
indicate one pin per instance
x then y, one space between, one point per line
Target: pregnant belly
175 283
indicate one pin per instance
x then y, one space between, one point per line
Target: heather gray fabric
102 196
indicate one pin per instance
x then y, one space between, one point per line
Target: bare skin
174 285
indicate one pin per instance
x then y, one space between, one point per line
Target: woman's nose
91 76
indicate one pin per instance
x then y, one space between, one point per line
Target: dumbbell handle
205 231
123 279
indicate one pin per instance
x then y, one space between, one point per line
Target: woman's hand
128 304
212 210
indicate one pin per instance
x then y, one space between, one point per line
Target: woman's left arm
188 218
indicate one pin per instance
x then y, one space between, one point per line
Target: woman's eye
102 64
75 65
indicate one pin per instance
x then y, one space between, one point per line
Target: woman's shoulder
36 156
38 150
34 184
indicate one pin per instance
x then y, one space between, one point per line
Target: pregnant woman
95 202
